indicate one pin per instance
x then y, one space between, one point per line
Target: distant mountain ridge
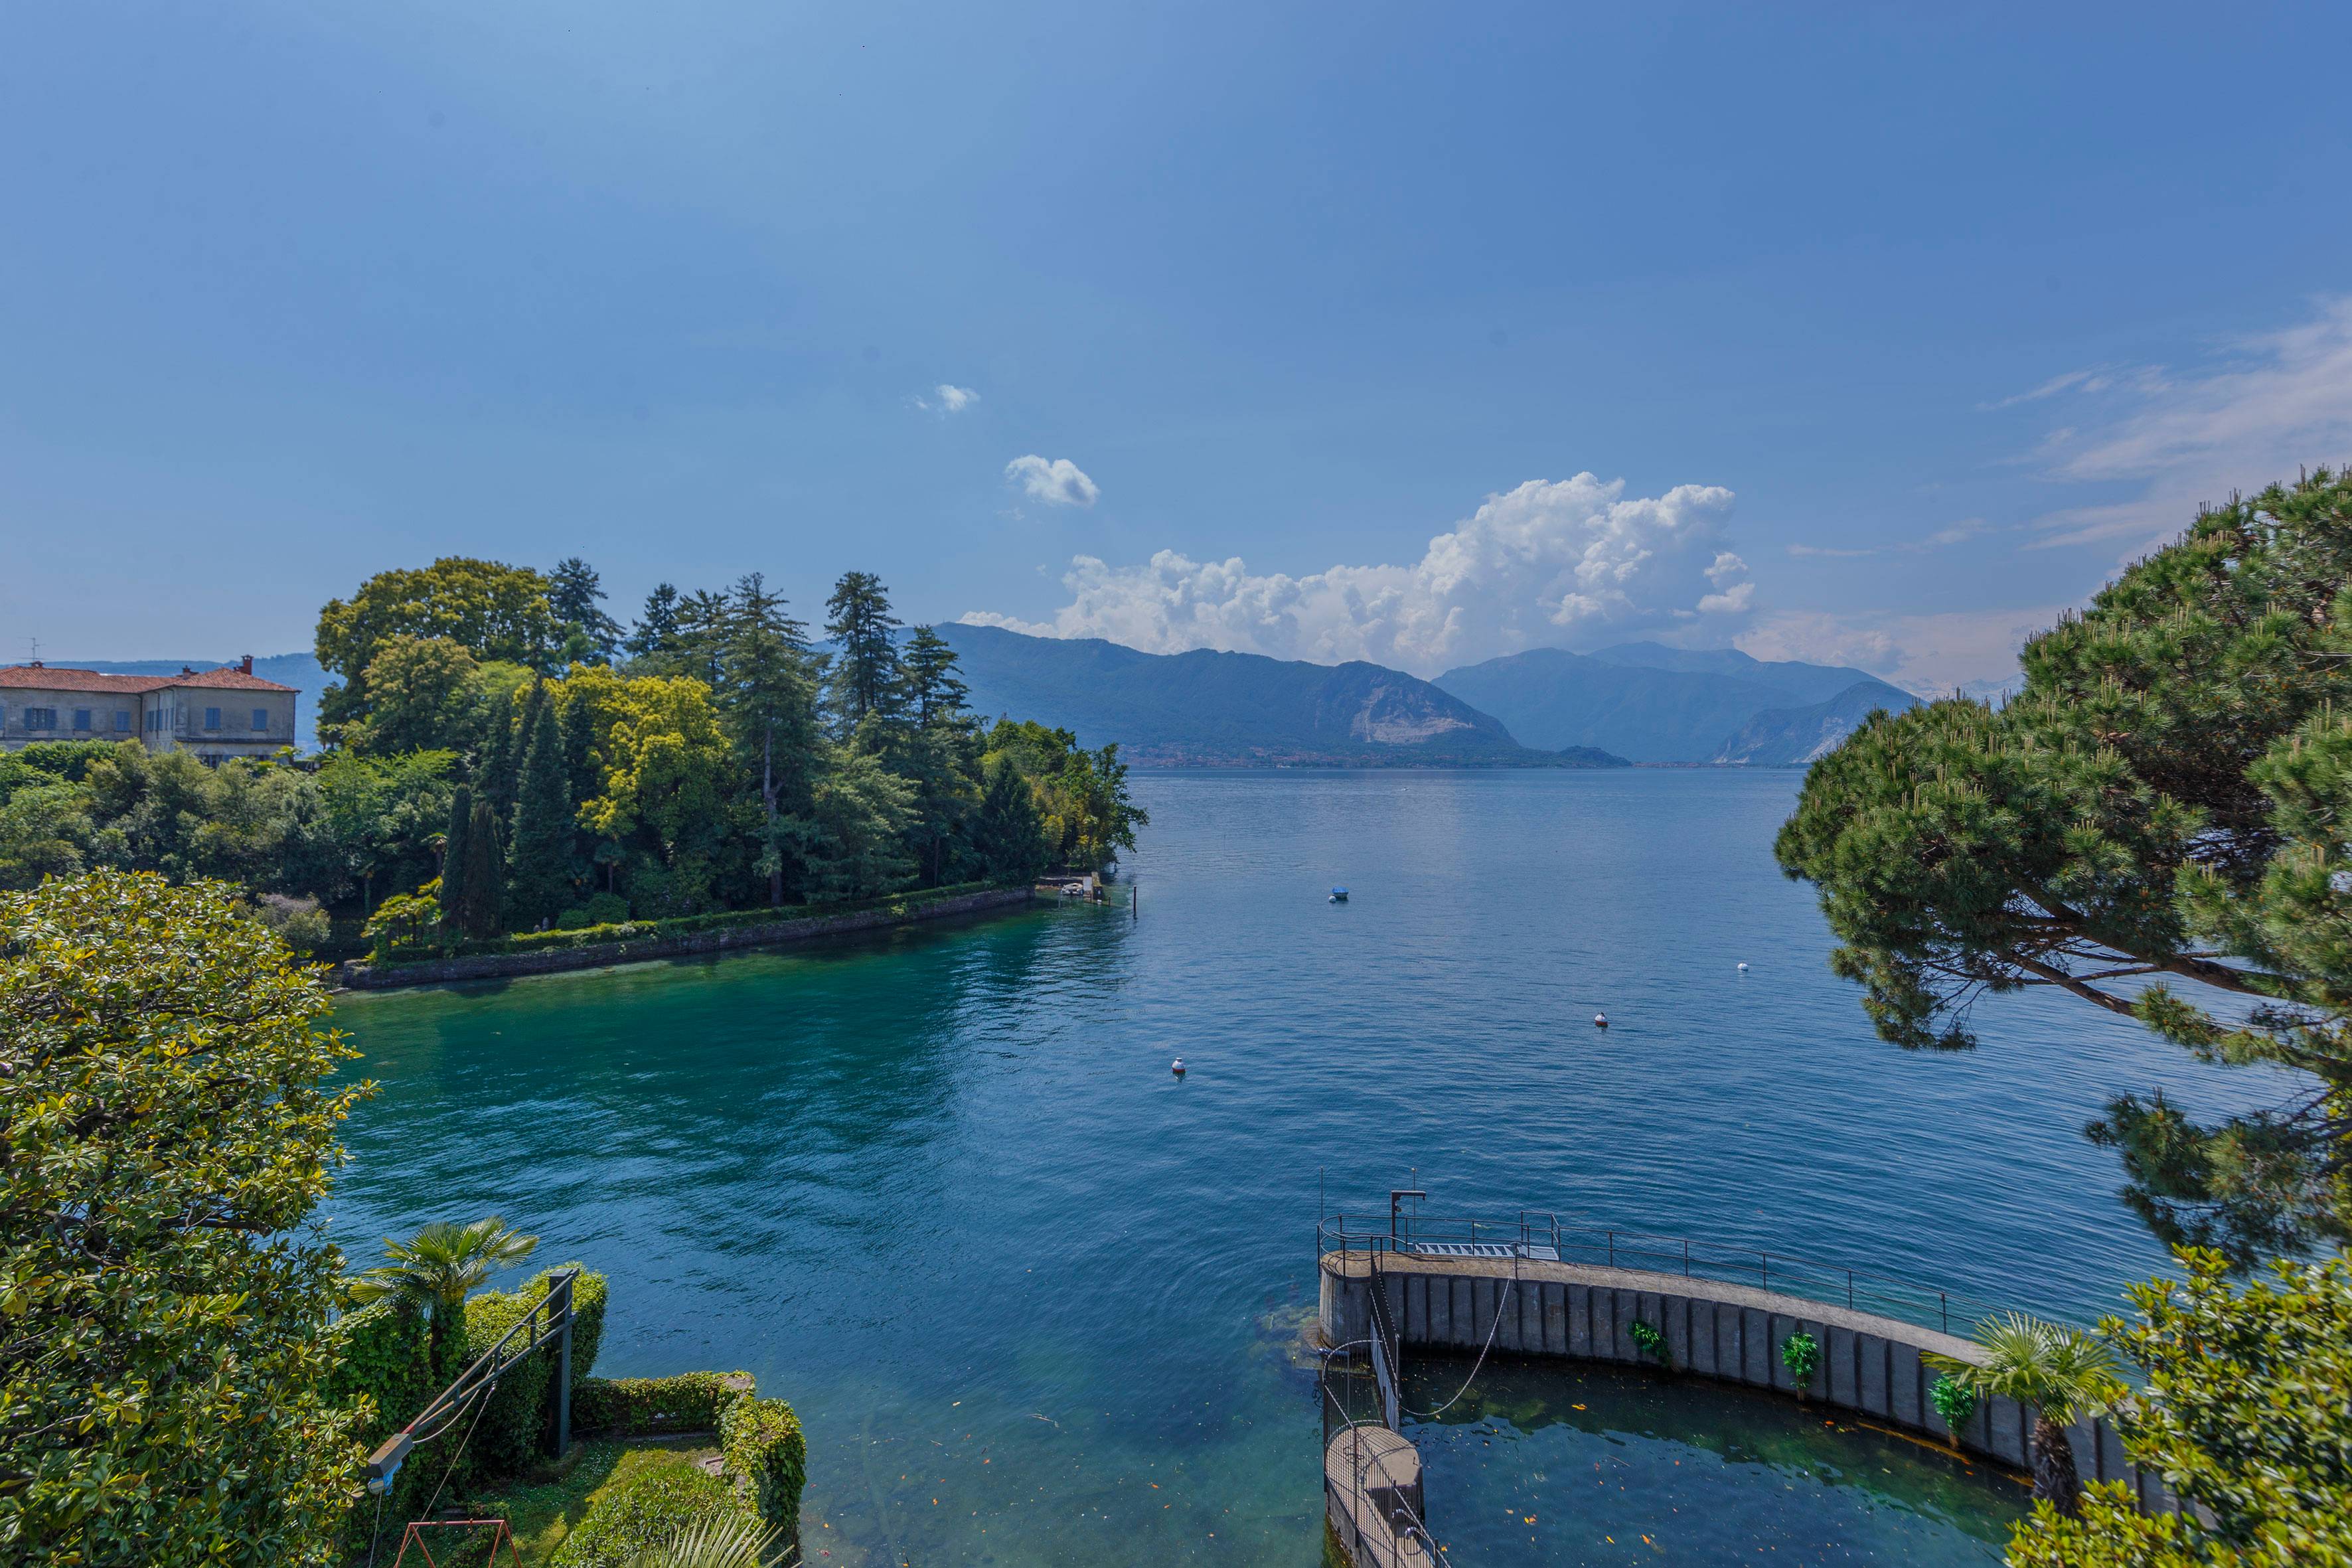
1227 709
1793 737
1649 703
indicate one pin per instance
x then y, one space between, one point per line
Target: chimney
244 666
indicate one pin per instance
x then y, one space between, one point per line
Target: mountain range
1227 709
1640 702
1650 703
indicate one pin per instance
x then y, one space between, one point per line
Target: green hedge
684 925
647 1406
642 1512
588 1294
511 1425
763 1446
379 1358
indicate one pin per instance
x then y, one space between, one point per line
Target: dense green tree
1007 835
498 764
865 677
418 697
490 610
164 1346
456 858
2247 1414
767 698
934 692
382 813
656 632
484 879
862 811
539 850
2151 826
575 593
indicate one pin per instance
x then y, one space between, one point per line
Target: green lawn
543 1509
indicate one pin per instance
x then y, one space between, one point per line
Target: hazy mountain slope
1548 699
1789 737
1225 708
1806 682
298 670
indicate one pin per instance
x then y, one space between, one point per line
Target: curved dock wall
1731 1333
362 975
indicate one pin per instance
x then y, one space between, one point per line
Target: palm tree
2063 1373
720 1540
436 1268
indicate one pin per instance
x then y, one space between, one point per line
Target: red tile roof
39 678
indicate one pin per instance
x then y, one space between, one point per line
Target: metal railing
1539 1236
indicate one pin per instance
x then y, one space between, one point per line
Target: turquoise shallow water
1037 1300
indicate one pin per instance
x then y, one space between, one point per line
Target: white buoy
1743 969
1179 1069
1601 1020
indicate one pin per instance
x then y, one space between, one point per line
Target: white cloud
1056 481
1550 563
947 398
2273 404
1927 655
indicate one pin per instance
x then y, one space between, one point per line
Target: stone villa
214 713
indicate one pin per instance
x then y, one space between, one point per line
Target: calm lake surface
1039 1303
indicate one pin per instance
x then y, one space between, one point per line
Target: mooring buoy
1601 1020
1178 1067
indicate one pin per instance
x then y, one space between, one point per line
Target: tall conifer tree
456 857
485 874
865 675
539 879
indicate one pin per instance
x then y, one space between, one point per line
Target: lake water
1038 1301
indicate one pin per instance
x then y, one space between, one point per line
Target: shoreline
363 975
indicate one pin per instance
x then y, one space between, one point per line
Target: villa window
40 718
212 718
81 717
123 722
261 718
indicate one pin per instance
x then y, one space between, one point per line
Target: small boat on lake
1339 895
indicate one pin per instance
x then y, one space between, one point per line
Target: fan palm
437 1268
720 1540
2063 1373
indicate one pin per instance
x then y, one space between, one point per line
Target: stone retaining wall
1731 1332
362 975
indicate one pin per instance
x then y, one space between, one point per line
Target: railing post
563 1377
1768 1269
1685 1257
1849 1290
1944 1303
1612 1247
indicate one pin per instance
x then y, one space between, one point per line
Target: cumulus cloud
2267 407
947 398
1551 563
1056 481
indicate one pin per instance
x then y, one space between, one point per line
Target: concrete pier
1869 1364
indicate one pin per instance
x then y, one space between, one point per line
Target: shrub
384 1375
607 908
1649 1341
574 918
647 1406
1954 1400
507 1431
763 1442
642 1513
587 1323
163 1389
1802 1355
300 921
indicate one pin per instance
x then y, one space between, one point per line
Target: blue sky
1881 334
